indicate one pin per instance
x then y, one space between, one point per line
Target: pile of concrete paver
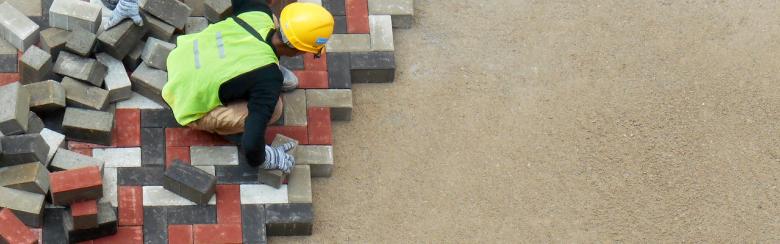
89 151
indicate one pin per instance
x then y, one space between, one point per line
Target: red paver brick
131 209
311 79
75 185
124 235
185 137
84 211
12 230
73 145
85 242
83 151
181 154
180 234
317 64
228 204
219 233
299 133
127 128
357 16
8 78
320 127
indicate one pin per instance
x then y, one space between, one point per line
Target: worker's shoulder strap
254 32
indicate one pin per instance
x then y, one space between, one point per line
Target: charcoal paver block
299 185
149 82
155 225
81 41
121 39
15 109
46 96
381 33
28 206
76 185
190 182
88 125
67 160
319 159
340 24
295 107
293 63
110 187
196 6
34 124
133 58
335 7
217 155
156 52
273 178
195 25
84 214
119 157
372 67
54 225
55 140
340 43
293 219
253 222
31 177
338 100
158 118
85 69
107 225
159 196
339 74
13 230
402 11
158 29
68 14
152 146
81 95
263 194
217 10
238 174
171 11
16 28
117 81
140 176
21 149
192 214
53 40
8 57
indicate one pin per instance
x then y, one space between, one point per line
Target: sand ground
565 121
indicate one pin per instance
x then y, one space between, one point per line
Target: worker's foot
278 158
290 80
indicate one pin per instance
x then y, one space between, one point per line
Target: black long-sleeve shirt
260 87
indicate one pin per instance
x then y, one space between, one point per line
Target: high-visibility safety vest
202 62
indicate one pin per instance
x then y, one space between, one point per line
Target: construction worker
226 79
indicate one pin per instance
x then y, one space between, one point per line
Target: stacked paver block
35 65
158 28
81 68
121 39
34 124
16 28
84 214
27 206
107 225
21 149
171 11
81 41
8 57
46 96
31 177
53 40
55 140
13 230
76 185
149 82
117 81
88 125
15 109
156 52
133 58
67 160
196 6
69 14
195 24
217 10
82 95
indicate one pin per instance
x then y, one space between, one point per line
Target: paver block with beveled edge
66 160
46 96
21 149
28 206
31 177
191 183
35 65
15 112
81 68
81 95
88 125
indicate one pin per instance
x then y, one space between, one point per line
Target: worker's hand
110 4
125 9
278 158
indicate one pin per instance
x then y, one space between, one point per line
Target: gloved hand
125 9
278 158
110 4
290 79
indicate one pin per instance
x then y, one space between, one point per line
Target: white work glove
110 4
278 158
290 79
125 9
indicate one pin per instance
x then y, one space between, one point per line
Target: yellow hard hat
306 26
